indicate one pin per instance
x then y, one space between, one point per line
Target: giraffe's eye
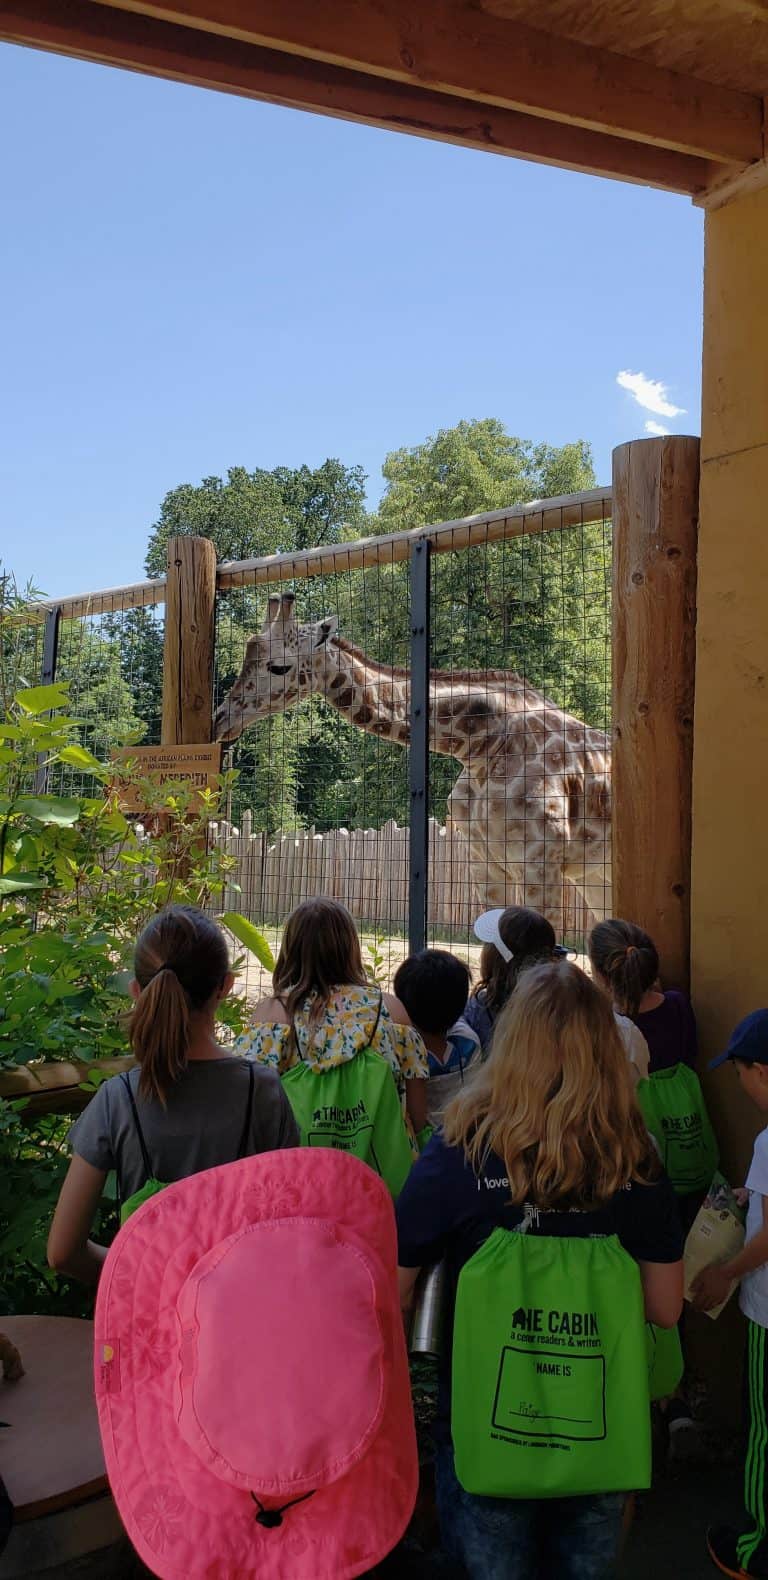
279 669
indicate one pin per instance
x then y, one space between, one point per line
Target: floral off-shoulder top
343 1030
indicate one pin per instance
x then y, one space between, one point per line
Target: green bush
77 884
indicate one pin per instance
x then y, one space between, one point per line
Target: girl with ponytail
625 962
187 1105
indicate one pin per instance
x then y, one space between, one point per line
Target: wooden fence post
655 525
190 614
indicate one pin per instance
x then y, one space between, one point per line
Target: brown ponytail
627 959
180 962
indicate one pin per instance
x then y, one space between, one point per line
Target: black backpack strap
241 1151
126 1080
376 1022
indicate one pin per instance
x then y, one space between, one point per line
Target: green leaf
248 935
120 982
21 883
42 699
7 754
62 810
78 757
11 732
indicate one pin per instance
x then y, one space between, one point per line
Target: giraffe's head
277 669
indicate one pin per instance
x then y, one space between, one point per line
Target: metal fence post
47 677
418 843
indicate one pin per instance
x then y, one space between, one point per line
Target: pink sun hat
251 1373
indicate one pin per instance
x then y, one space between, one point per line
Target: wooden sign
197 765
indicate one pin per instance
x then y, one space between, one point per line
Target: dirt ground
667 1539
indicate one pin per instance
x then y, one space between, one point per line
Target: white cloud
650 393
656 428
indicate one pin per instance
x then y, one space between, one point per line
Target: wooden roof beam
113 37
453 47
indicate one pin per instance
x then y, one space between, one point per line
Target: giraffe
533 798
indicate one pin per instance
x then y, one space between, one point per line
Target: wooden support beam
190 613
119 38
56 1087
655 527
451 46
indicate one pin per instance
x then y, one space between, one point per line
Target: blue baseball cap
749 1041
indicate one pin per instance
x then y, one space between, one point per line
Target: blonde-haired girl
546 1140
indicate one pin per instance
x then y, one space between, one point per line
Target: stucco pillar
729 865
729 880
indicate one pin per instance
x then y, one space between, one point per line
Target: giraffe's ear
324 629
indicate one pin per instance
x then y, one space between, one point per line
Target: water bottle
428 1321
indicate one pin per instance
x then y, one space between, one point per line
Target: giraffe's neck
465 710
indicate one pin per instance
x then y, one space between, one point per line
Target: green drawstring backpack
151 1185
665 1360
550 1369
355 1107
674 1110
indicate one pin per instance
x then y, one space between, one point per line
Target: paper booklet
716 1235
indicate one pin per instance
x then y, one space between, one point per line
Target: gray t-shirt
201 1127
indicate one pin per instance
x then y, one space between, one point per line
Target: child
543 1162
324 1011
745 1553
433 986
187 1106
626 964
515 940
626 960
512 939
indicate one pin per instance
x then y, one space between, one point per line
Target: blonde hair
319 951
555 1097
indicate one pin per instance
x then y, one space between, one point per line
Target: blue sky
192 281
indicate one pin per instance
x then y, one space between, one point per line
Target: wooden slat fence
366 868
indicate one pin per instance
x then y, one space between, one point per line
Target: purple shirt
670 1032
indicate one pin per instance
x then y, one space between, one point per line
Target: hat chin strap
271 1518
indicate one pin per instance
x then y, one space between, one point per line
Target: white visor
486 928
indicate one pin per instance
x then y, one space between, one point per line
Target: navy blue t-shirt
447 1210
478 1016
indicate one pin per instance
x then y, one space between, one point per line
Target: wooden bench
50 1449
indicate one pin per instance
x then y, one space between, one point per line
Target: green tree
536 604
261 512
246 515
474 467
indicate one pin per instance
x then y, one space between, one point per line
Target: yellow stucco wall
729 945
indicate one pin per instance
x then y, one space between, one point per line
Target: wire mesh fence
320 804
316 699
111 659
521 664
22 637
315 691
